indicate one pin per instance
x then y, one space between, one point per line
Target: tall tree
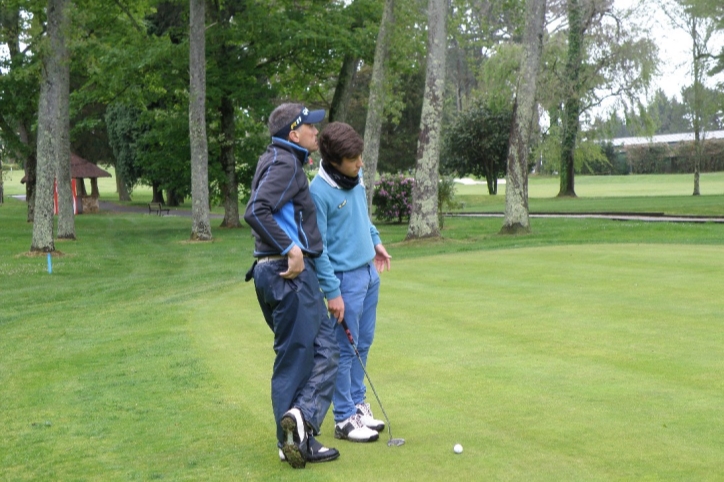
201 228
424 221
689 16
516 187
48 132
66 216
572 99
376 104
19 87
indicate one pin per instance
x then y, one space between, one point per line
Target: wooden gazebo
80 169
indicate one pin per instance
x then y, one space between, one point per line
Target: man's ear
293 136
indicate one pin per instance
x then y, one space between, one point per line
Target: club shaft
364 369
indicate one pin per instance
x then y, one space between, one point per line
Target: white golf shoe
354 430
365 412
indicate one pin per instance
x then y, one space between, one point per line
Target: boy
348 270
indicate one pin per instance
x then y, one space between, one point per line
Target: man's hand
382 259
295 263
335 306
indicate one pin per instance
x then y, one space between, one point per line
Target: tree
48 129
423 217
516 187
572 99
688 16
604 58
66 216
376 104
201 228
476 143
20 75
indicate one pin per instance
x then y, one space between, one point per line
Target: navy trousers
307 354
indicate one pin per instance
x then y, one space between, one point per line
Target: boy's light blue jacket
348 236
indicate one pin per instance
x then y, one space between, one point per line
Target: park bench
157 208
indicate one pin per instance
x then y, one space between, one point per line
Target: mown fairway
588 350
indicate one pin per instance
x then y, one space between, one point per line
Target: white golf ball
458 449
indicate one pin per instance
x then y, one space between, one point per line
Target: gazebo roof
80 168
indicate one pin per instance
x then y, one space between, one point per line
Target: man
287 241
348 272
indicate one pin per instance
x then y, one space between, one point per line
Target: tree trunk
492 182
48 137
698 87
343 91
230 186
31 182
66 216
201 228
121 189
173 198
423 215
376 103
516 186
572 108
156 193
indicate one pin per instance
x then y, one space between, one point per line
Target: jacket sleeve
328 281
276 187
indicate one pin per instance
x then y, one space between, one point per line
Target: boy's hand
382 259
335 306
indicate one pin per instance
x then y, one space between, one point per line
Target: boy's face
350 166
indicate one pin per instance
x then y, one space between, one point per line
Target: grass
588 350
669 194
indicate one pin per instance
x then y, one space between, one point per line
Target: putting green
558 363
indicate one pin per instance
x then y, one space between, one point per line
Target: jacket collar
299 152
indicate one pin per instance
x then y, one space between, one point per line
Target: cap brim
315 116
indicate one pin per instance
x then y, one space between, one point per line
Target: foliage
446 198
476 143
392 198
590 158
663 115
124 131
661 158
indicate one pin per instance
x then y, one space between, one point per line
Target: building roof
665 139
80 168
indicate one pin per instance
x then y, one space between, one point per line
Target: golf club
396 442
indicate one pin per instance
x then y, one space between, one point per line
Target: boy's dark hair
338 141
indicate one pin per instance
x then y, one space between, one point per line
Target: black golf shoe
316 452
295 445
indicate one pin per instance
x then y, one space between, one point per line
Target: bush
446 198
393 197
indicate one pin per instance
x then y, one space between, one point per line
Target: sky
674 49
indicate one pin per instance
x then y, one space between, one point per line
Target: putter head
395 442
